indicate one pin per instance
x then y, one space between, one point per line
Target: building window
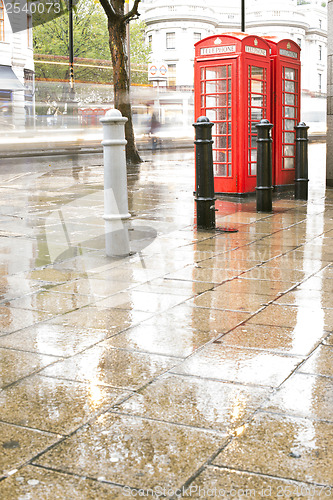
319 81
299 42
171 40
2 21
320 23
197 37
320 52
171 75
150 42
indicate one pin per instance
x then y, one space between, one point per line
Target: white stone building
16 69
173 28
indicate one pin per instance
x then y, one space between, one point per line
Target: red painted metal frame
241 52
285 54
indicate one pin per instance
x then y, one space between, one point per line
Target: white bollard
115 184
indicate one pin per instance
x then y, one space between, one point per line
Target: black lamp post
243 16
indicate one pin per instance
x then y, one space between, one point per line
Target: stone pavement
199 367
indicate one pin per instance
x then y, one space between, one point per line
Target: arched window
2 21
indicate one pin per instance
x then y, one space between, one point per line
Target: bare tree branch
133 13
108 8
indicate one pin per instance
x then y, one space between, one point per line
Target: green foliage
89 29
140 53
91 41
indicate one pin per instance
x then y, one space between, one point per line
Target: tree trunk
121 83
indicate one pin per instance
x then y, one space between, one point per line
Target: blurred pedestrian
154 127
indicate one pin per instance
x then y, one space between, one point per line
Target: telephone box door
217 102
286 68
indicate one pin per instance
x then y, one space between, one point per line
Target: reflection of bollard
301 162
264 187
205 198
115 184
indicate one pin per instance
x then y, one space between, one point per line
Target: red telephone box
232 82
286 96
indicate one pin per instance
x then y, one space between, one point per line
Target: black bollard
205 194
301 162
264 187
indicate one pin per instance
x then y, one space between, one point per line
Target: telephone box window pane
289 137
220 156
211 114
257 72
211 102
256 114
289 150
253 155
222 114
221 128
221 86
203 101
221 142
257 86
289 124
220 170
210 87
289 73
222 72
202 87
289 112
289 86
257 100
288 163
253 169
289 99
210 74
222 100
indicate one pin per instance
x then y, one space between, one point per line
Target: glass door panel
257 88
216 103
289 116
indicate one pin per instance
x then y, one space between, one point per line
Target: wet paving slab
298 341
37 482
140 452
282 446
201 364
225 482
196 402
246 366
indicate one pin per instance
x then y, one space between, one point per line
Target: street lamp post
243 16
71 97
